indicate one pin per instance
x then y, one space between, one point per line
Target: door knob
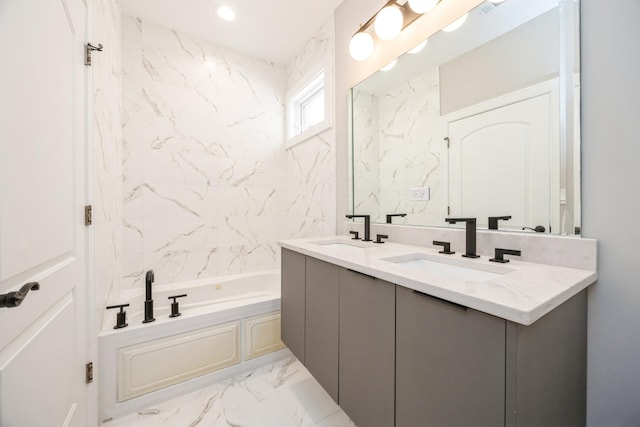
14 299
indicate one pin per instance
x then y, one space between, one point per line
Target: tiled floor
282 394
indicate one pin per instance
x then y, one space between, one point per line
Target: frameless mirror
482 122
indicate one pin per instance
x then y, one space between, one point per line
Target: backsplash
562 251
208 185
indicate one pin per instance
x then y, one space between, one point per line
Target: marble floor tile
281 394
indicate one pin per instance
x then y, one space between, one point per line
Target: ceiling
273 30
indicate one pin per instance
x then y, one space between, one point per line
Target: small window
308 109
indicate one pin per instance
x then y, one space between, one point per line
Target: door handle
14 299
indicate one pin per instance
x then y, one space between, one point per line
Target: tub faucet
148 300
470 251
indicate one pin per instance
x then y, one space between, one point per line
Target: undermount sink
340 244
453 268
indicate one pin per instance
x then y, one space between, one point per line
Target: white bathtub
228 325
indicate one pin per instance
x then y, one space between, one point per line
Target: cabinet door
293 302
450 364
367 349
321 339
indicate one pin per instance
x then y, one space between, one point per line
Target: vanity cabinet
292 301
367 349
450 364
321 323
391 356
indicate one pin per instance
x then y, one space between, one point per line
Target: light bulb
226 13
456 24
361 46
388 23
424 6
418 48
390 65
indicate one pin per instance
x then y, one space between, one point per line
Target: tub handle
175 310
121 316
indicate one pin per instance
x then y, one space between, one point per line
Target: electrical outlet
419 194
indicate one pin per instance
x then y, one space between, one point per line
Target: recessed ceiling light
226 13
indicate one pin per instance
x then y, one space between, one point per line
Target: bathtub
228 325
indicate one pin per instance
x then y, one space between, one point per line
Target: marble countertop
521 292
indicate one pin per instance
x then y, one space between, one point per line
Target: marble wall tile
107 153
398 143
208 187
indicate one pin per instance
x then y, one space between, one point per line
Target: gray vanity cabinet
321 323
367 349
292 302
450 364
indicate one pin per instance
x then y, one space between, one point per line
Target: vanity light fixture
388 23
226 13
390 20
361 46
423 6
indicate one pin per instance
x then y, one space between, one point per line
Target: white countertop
523 292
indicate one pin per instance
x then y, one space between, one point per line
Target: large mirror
482 122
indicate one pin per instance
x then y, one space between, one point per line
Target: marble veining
107 153
522 292
207 185
282 394
397 146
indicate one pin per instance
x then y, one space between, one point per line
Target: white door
500 163
42 137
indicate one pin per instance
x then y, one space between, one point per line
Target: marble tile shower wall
208 185
403 154
311 165
107 153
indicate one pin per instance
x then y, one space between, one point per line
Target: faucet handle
355 235
121 316
446 247
499 257
175 311
379 238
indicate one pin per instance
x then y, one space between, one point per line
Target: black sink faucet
493 221
389 216
470 251
367 226
148 300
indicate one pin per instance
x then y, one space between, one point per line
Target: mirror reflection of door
500 163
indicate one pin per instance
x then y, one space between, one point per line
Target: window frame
301 94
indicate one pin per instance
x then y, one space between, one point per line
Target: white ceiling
273 30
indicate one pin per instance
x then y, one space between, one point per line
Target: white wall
610 175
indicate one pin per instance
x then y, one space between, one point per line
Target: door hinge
88 49
88 215
448 210
446 139
89 372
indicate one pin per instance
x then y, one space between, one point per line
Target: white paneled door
42 173
501 162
